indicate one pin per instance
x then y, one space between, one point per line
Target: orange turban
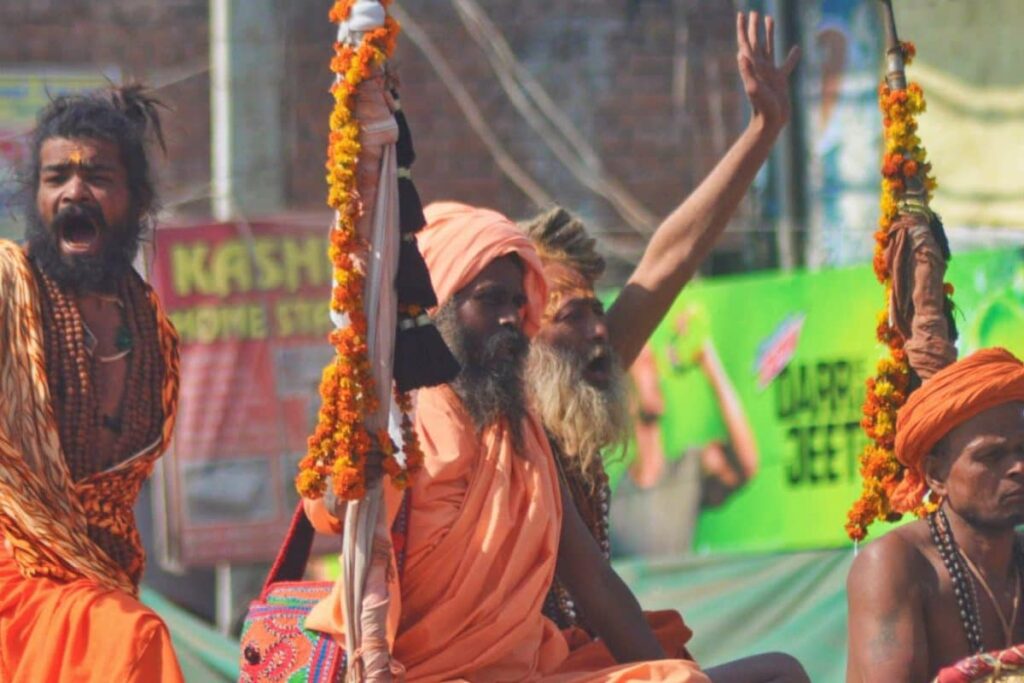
958 392
461 240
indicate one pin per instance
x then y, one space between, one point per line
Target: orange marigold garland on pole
339 446
903 159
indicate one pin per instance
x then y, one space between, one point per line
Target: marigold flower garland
340 444
903 158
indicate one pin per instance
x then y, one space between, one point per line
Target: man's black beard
82 272
491 383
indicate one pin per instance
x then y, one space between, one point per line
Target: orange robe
667 625
483 531
68 611
78 631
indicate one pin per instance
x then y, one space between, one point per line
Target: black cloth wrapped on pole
413 278
410 208
422 359
404 151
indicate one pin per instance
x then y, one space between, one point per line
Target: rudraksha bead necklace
964 589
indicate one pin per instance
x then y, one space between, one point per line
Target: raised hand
766 85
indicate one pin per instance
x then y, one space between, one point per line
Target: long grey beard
583 419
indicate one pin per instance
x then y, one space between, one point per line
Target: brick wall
651 85
163 43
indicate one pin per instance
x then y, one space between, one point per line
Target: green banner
796 351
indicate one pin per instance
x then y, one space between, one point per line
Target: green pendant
123 340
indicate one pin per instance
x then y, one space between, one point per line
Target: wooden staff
895 74
917 251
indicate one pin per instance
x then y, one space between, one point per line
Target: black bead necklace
963 586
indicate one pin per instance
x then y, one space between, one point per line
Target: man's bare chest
945 623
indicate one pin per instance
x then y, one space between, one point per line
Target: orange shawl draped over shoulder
483 535
67 609
43 513
482 544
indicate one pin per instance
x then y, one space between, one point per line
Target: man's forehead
563 276
505 271
567 286
993 425
570 300
579 298
58 151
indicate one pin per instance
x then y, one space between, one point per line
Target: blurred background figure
664 496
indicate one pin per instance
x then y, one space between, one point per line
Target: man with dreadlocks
88 390
576 359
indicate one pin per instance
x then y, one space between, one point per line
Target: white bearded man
575 374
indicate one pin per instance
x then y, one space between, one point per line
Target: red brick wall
164 43
611 66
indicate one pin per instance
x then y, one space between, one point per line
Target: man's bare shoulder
895 563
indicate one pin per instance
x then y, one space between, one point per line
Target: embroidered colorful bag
1000 666
1003 666
275 646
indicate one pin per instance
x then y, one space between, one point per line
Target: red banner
250 302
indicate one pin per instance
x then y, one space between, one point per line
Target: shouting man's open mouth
78 230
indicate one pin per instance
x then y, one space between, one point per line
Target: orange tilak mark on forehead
560 297
564 285
76 156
